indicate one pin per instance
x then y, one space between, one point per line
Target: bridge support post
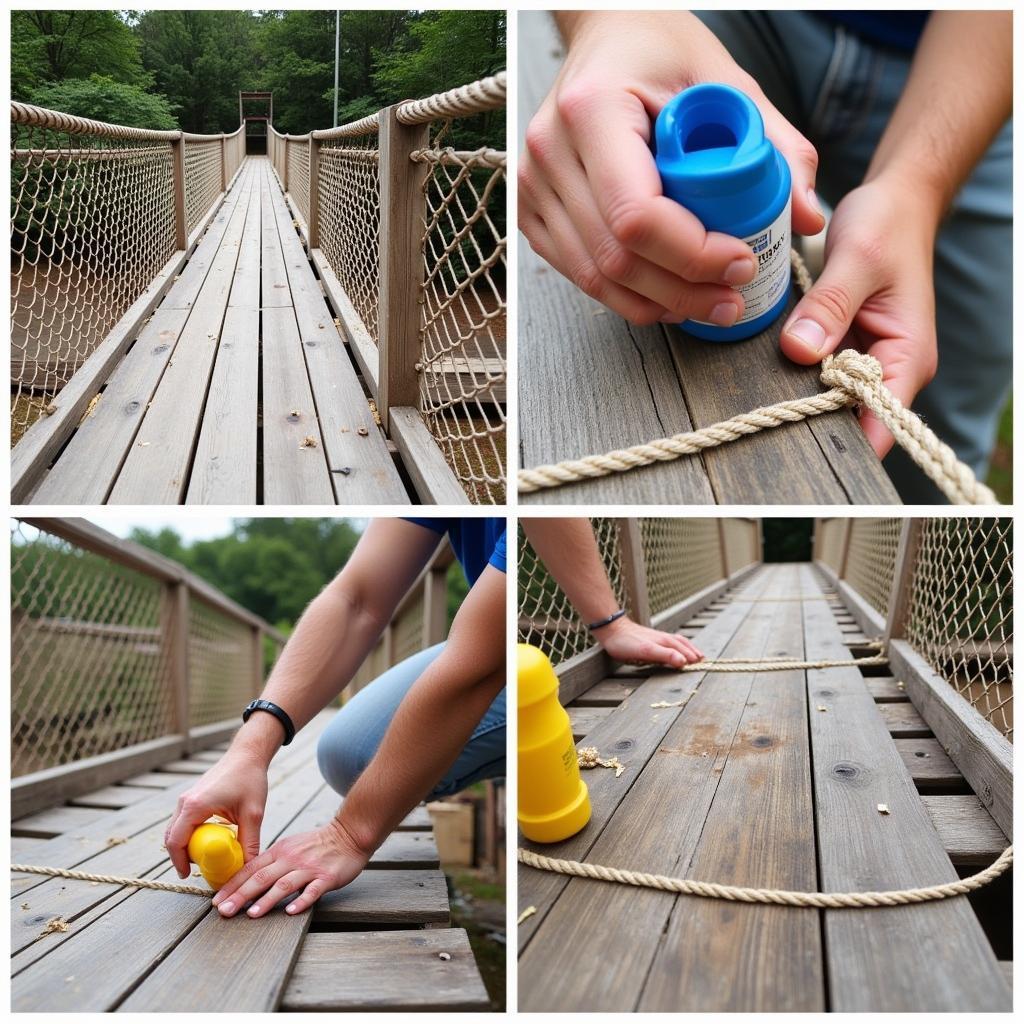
313 227
178 173
223 162
634 571
402 205
175 637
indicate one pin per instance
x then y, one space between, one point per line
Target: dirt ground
478 905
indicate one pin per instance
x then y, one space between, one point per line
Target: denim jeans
354 734
839 91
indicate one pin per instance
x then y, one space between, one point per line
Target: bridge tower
256 124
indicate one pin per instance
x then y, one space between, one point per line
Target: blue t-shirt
899 29
477 542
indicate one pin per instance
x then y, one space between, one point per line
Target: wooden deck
237 390
768 780
590 383
374 945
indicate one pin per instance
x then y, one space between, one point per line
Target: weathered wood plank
421 970
886 689
112 797
185 767
609 693
632 734
932 956
929 765
55 821
760 832
903 720
645 833
432 477
159 780
275 291
967 830
586 720
387 897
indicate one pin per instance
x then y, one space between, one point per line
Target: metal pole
337 52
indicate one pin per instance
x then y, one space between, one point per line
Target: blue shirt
899 29
477 542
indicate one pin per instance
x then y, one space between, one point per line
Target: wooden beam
903 578
976 747
432 477
178 179
634 572
176 638
868 618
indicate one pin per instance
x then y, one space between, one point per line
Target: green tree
104 99
787 540
51 46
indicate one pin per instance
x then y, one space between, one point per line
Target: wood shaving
25 906
363 432
308 442
55 924
588 757
883 808
821 707
116 840
527 913
373 409
674 703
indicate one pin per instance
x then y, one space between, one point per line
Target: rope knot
838 369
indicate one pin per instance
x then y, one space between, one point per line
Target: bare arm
569 551
433 723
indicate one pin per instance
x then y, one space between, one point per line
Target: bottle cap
536 679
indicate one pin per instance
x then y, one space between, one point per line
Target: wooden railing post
223 162
313 227
435 607
257 661
845 556
175 630
284 164
178 177
634 573
402 205
721 548
902 579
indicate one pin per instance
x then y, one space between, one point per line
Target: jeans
839 91
351 739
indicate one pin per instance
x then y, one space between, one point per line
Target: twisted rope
27 114
779 897
777 664
475 98
138 883
853 378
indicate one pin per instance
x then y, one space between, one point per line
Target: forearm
957 97
435 719
568 550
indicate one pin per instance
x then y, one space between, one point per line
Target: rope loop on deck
86 876
778 897
852 377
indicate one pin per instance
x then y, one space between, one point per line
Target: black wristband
606 622
279 713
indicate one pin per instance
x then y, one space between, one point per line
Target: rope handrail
369 125
474 98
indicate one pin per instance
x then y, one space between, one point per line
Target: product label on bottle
771 246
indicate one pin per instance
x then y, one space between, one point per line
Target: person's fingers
187 815
249 831
904 373
286 885
228 892
259 882
691 651
679 644
308 897
822 318
610 131
802 158
555 240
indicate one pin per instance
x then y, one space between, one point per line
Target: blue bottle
714 159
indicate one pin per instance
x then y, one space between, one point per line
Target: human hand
590 197
311 864
876 293
629 642
235 788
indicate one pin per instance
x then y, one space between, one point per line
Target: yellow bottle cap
535 677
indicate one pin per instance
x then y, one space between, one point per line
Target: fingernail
254 910
292 908
740 271
724 314
808 333
812 201
226 908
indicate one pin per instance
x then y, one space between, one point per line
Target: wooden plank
586 720
871 621
929 765
968 833
156 469
608 693
188 767
112 797
87 468
24 846
387 897
55 821
932 956
160 780
55 785
417 820
983 755
645 833
903 720
275 291
885 689
361 467
632 733
759 831
429 970
431 476
405 850
295 470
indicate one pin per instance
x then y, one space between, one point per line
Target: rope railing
98 211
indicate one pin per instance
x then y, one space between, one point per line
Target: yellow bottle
553 799
216 851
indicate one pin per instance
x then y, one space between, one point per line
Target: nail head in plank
929 765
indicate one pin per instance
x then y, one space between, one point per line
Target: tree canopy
193 63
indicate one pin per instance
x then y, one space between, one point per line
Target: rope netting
961 611
297 156
92 654
92 223
682 556
872 559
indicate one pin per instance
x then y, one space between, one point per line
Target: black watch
279 713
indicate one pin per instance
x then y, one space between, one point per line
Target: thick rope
780 897
27 114
138 883
853 378
777 664
475 98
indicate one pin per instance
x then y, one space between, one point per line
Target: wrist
259 739
350 837
921 200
